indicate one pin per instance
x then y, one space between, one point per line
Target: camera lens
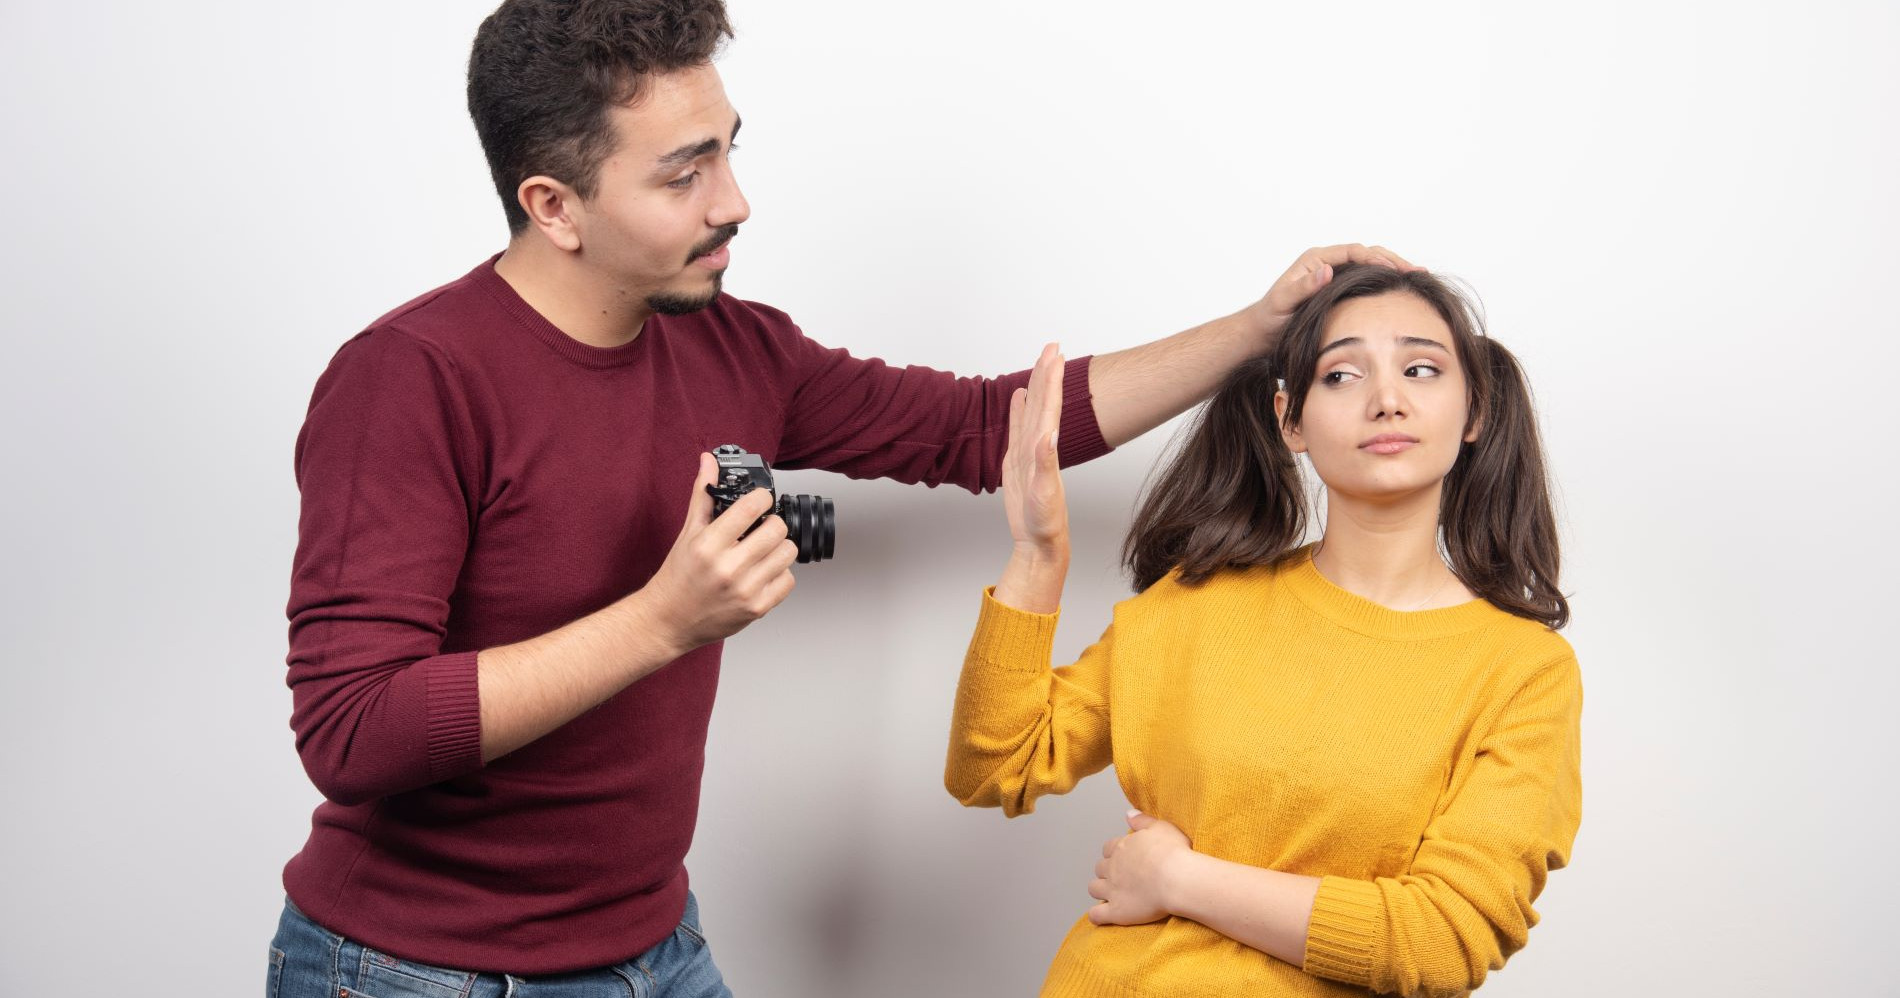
810 523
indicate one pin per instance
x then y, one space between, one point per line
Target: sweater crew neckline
538 326
1357 613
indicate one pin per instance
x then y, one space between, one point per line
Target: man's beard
679 303
676 303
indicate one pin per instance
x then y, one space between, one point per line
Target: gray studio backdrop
1680 215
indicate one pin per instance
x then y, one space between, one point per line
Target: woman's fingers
1052 410
1041 418
1018 406
1040 377
1032 485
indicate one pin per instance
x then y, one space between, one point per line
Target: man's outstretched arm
1138 389
867 419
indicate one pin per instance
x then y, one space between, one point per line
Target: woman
1354 762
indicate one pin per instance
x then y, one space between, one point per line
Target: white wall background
1682 216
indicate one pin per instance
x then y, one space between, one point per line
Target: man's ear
551 206
1294 441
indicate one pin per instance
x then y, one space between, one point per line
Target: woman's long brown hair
1232 495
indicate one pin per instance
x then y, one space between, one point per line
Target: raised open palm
1032 483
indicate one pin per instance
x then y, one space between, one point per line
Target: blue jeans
309 961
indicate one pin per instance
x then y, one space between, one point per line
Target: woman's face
1386 412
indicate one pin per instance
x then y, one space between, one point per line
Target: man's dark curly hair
543 74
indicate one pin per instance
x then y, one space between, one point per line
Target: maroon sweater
473 477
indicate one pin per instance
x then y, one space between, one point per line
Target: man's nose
730 206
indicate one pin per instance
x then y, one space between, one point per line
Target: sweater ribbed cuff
1009 638
455 715
1080 437
1340 937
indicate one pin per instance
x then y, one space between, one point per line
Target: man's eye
1430 371
683 182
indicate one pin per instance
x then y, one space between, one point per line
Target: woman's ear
1481 350
1294 441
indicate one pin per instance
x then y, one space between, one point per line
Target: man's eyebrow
686 154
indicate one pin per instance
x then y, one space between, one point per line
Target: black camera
808 519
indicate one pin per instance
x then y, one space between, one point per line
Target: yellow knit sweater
1424 764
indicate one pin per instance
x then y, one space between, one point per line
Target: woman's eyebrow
1405 341
1347 341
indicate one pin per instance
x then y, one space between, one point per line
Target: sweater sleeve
1021 729
866 419
1464 905
381 465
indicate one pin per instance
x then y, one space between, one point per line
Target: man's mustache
710 246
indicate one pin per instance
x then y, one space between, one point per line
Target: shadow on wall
828 849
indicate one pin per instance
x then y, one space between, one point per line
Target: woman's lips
1388 443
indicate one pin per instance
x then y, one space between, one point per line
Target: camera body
809 520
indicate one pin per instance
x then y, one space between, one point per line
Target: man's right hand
711 585
714 582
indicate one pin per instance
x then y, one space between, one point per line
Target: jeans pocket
275 978
689 921
380 975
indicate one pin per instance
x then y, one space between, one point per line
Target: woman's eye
1332 378
1422 371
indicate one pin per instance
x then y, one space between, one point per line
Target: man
509 591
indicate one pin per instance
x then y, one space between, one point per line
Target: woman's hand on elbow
1135 878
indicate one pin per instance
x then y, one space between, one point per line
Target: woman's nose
1388 399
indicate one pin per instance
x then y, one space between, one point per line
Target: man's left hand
1308 274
